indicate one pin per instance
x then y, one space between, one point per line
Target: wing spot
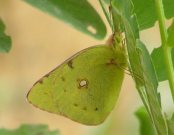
82 83
63 78
70 64
76 105
112 62
65 90
47 75
84 108
96 109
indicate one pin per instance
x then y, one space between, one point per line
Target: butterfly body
84 88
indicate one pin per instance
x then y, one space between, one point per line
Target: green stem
169 67
166 48
106 14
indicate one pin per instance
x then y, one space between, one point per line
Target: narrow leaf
106 12
29 130
146 127
5 41
150 85
138 58
79 14
147 64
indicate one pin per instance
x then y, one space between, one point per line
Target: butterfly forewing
84 88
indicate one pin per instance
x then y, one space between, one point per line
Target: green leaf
150 86
158 61
171 125
79 14
29 130
146 127
146 12
5 41
158 57
147 64
170 39
138 58
148 70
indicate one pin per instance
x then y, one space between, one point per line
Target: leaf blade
80 14
146 12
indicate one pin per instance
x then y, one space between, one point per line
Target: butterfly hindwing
84 88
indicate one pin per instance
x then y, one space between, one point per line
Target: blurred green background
40 43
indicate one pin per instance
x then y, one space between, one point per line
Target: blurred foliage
5 41
146 127
29 130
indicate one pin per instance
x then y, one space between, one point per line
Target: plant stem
106 14
165 47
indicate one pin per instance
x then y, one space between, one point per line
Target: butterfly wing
84 88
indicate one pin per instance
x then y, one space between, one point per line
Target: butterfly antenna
131 73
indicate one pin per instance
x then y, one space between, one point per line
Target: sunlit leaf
79 14
5 41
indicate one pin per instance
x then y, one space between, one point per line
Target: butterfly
85 87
